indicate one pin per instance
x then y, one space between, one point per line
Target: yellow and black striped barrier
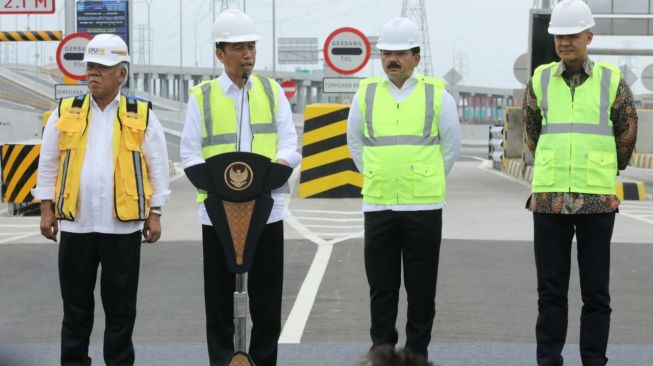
19 166
631 191
327 169
642 160
30 36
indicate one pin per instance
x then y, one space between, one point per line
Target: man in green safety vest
404 136
581 126
241 111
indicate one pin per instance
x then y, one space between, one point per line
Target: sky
486 39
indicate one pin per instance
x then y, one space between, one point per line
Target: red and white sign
27 7
70 54
347 50
289 88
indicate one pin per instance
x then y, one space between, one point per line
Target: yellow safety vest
402 157
220 125
132 188
576 150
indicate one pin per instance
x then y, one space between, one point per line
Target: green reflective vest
576 151
220 125
402 157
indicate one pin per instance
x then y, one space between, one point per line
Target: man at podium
240 111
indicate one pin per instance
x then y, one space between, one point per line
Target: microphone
242 104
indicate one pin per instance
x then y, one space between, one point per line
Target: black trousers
553 238
264 288
414 237
79 256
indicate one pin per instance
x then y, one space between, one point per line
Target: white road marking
339 226
328 219
636 217
331 212
293 329
8 241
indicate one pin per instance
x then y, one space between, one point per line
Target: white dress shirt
95 203
449 129
190 147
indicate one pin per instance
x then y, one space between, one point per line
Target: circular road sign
70 54
520 68
289 88
346 50
647 77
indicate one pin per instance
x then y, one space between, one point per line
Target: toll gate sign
70 54
347 50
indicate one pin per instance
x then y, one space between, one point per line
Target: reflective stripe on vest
576 150
402 158
220 129
603 128
212 139
425 139
131 184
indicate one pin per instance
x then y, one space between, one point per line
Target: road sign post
341 85
66 90
347 50
70 54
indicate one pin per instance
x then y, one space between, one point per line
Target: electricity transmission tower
544 4
141 28
416 11
229 4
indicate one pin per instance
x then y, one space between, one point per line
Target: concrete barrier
19 163
327 169
633 191
642 160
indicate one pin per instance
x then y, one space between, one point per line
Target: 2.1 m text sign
27 7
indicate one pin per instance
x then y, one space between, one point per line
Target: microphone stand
240 292
242 104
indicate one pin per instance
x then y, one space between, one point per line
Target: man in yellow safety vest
581 126
404 136
103 174
241 111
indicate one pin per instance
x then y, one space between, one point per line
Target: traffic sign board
289 88
70 54
452 77
340 85
347 50
27 7
69 90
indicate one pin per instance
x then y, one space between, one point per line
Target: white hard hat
234 26
398 34
571 17
107 50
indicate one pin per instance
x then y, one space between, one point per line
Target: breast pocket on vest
544 168
372 181
601 169
426 180
70 133
134 135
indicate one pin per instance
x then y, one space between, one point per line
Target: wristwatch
156 211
